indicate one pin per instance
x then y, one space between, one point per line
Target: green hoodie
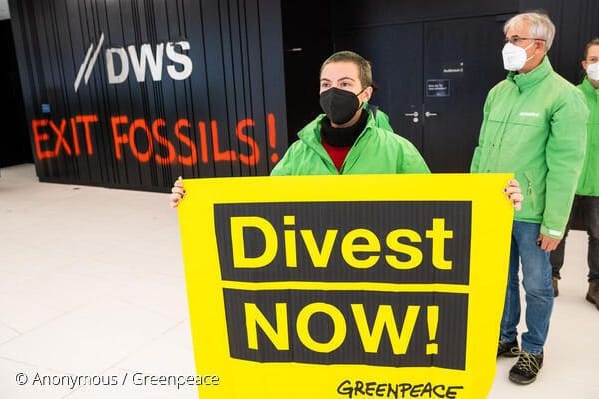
589 178
381 119
534 125
375 151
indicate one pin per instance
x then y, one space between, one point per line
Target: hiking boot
555 288
526 368
508 349
593 293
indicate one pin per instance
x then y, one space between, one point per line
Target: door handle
414 114
429 114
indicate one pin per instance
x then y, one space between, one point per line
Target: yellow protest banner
346 286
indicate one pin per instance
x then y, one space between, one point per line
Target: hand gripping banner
308 287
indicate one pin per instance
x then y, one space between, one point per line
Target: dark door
305 51
396 55
462 61
433 78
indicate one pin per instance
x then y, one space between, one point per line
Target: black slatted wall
14 140
134 93
576 24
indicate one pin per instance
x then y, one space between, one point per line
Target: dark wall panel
14 137
307 45
134 93
356 13
576 24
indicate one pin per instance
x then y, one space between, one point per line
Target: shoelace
503 345
527 362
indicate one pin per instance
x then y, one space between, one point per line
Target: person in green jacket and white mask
534 124
586 201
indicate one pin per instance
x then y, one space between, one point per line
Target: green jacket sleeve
565 150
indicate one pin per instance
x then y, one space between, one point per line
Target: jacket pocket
534 190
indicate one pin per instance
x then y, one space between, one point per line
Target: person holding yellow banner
346 138
534 124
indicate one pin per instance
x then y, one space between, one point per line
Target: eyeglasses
592 60
517 39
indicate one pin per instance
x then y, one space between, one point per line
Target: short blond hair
541 26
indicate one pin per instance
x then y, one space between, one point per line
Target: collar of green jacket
527 80
310 134
589 90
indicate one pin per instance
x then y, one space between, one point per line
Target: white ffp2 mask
514 57
593 71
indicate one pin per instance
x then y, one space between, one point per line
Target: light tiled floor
91 283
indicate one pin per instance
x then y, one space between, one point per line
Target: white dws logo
120 60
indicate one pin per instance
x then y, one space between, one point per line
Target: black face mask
339 105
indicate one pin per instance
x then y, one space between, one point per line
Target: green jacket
376 151
589 178
534 125
381 119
